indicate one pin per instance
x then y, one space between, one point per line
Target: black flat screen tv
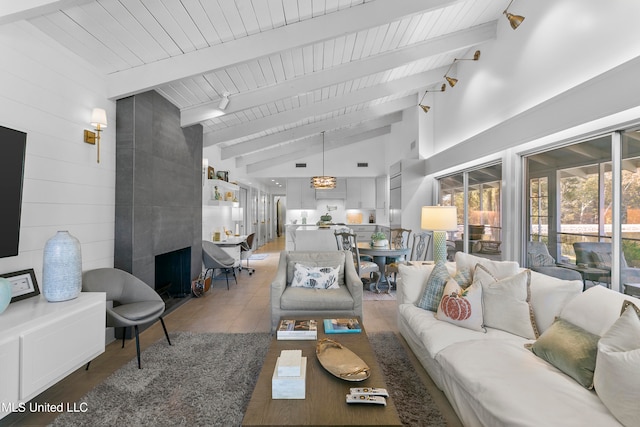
12 151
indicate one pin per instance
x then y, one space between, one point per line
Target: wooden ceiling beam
17 10
274 152
344 72
406 85
255 144
350 20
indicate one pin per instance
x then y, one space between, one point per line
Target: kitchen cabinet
300 195
382 192
363 232
361 193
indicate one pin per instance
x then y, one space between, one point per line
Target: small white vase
5 294
61 268
380 243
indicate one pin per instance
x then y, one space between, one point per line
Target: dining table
379 255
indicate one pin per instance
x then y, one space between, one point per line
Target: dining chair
419 250
368 270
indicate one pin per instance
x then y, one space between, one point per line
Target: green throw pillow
434 287
569 348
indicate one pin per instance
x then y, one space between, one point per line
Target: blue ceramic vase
61 268
5 294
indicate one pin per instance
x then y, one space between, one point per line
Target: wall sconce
514 20
426 108
98 121
451 80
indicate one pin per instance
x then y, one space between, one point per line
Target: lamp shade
99 117
236 214
439 218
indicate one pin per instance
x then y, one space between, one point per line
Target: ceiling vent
363 165
301 165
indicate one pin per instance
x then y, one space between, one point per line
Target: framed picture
211 173
223 175
23 284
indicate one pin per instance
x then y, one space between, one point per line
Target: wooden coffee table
325 394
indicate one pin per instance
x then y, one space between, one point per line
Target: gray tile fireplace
158 192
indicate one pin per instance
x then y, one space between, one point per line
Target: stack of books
342 326
297 330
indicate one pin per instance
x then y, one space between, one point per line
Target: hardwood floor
242 308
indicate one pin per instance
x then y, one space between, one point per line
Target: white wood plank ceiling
293 68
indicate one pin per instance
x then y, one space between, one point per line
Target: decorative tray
340 361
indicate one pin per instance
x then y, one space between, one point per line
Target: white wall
534 76
49 93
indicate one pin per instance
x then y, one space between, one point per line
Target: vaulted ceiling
292 68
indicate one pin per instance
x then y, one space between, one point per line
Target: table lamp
236 215
439 219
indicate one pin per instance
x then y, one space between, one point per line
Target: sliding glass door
477 195
584 203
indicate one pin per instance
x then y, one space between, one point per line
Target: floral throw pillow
462 306
315 277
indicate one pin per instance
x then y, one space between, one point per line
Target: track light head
426 108
451 80
224 101
514 20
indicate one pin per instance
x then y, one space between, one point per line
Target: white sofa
490 378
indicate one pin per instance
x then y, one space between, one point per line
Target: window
477 195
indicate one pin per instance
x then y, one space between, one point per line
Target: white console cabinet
42 342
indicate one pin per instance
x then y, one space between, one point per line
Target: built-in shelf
228 186
224 187
221 203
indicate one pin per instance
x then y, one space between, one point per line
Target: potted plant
379 239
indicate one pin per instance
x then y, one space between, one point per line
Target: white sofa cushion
617 377
500 383
549 295
499 269
505 303
462 307
413 279
595 309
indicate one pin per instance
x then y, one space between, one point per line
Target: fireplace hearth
173 273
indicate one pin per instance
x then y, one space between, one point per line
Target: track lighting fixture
426 108
224 101
514 20
452 81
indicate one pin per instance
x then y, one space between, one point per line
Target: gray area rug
206 379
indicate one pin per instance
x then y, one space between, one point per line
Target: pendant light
323 182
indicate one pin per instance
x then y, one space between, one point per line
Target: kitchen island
307 237
311 238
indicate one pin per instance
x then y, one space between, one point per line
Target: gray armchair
598 255
538 259
214 258
290 302
134 302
